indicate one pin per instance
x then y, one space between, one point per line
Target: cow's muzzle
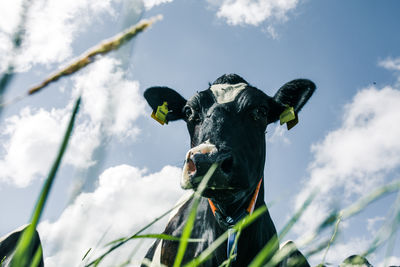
197 162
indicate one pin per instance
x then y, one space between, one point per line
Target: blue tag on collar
231 242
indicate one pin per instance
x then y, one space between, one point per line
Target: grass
25 243
192 216
268 256
24 246
84 60
18 38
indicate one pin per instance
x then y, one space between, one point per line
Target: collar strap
249 209
229 221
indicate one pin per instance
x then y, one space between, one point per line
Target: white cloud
390 261
353 159
390 63
152 3
51 28
279 135
373 222
272 32
53 25
30 149
110 98
254 12
125 200
10 15
32 139
110 105
340 251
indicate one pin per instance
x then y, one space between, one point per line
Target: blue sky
345 144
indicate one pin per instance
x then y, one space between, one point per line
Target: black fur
230 79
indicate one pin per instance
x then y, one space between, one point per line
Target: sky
122 168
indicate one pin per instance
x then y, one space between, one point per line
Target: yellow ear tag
289 117
161 114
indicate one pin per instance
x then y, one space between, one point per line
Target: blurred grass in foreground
24 248
268 256
25 243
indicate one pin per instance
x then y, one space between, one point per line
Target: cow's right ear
157 97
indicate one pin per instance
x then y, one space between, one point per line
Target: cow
227 124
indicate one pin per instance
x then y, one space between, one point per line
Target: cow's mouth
198 161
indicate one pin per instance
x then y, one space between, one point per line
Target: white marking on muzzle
187 171
225 93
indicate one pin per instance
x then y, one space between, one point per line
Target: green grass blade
18 38
296 216
24 243
87 253
270 248
187 231
242 224
365 201
333 238
386 232
231 255
96 261
167 237
37 257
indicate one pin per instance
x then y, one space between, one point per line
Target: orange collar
251 206
229 221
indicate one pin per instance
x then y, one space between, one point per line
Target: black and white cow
227 124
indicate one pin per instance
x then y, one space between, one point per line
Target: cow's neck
228 214
253 238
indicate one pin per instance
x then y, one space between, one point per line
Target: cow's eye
188 111
259 113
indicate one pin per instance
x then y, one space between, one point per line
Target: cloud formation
51 28
65 20
125 200
390 63
110 105
254 12
363 153
148 4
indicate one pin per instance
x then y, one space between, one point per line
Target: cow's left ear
293 94
165 100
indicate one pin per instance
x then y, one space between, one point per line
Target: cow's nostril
227 165
191 166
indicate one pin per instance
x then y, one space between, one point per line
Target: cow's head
227 124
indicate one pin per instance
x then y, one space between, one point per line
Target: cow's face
227 125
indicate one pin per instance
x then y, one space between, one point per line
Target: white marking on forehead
225 93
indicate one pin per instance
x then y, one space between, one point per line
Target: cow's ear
157 97
293 94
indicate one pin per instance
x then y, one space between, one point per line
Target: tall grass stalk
392 238
24 245
37 257
269 249
104 47
119 242
346 213
386 232
18 38
333 238
242 224
187 230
